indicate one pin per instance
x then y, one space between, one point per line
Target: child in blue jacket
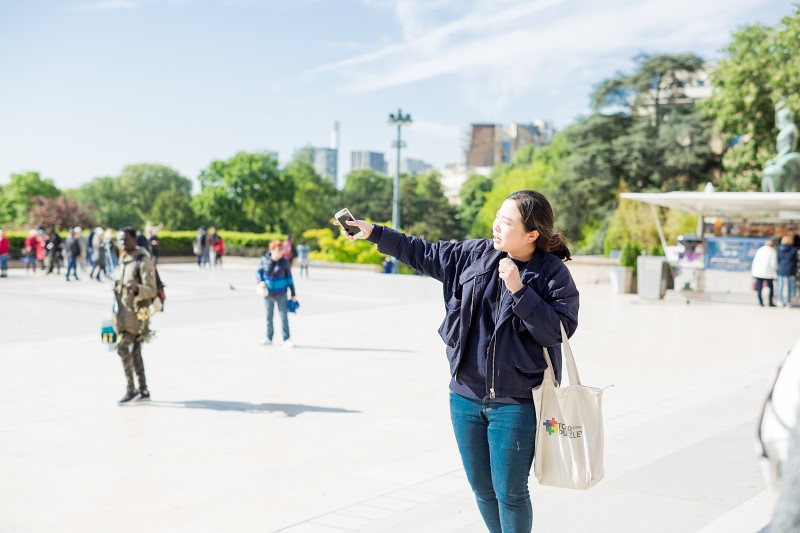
275 278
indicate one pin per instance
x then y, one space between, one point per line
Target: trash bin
652 276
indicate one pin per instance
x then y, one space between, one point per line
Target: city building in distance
491 144
372 160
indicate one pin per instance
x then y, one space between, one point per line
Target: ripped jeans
496 443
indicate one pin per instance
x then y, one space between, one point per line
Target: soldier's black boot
144 394
129 396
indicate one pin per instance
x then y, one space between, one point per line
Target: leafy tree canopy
368 195
761 68
245 193
17 197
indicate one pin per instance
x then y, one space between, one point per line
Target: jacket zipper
494 336
494 350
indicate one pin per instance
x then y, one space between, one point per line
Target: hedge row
325 244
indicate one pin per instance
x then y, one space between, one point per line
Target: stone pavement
350 431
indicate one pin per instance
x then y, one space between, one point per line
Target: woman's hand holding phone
344 217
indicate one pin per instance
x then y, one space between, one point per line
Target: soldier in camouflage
134 290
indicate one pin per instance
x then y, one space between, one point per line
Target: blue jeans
786 285
72 266
496 443
3 261
279 299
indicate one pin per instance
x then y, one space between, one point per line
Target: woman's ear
533 236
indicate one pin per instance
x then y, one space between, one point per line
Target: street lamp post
399 120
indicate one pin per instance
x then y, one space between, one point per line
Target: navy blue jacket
787 260
525 324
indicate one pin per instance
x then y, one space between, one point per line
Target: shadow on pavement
289 409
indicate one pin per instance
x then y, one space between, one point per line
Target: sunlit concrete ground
350 430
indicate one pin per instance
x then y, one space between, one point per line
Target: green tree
18 196
245 193
173 208
742 107
761 68
141 184
368 195
473 197
657 82
585 187
425 209
315 198
105 199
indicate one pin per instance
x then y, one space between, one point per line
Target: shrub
631 250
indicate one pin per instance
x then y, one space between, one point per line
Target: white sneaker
267 342
288 343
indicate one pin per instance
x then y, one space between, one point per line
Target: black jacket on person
787 260
525 324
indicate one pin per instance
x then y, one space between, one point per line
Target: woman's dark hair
537 214
129 232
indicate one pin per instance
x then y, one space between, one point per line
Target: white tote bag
569 436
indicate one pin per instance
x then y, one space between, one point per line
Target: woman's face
276 253
508 232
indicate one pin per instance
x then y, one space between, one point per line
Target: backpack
778 418
159 284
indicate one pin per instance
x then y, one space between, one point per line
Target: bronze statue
782 172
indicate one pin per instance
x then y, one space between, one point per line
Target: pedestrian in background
98 254
201 248
73 250
302 257
288 249
111 259
5 251
506 299
54 251
275 278
29 252
765 269
217 248
41 250
787 269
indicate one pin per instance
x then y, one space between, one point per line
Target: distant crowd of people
208 247
91 250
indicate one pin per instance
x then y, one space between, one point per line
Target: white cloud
499 50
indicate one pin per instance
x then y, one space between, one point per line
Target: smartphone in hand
343 216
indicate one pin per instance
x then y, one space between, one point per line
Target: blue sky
90 86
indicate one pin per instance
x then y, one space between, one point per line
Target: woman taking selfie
505 300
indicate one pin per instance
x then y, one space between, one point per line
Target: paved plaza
350 430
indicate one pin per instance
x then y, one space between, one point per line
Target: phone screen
351 230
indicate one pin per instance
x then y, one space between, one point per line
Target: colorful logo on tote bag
551 425
573 432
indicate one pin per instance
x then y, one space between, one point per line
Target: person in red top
5 249
31 245
40 251
218 247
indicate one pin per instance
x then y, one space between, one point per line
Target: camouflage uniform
131 318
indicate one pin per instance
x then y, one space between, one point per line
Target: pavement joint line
387 495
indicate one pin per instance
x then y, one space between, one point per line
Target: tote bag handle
572 369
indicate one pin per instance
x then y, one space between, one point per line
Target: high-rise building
408 166
372 160
326 163
491 144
